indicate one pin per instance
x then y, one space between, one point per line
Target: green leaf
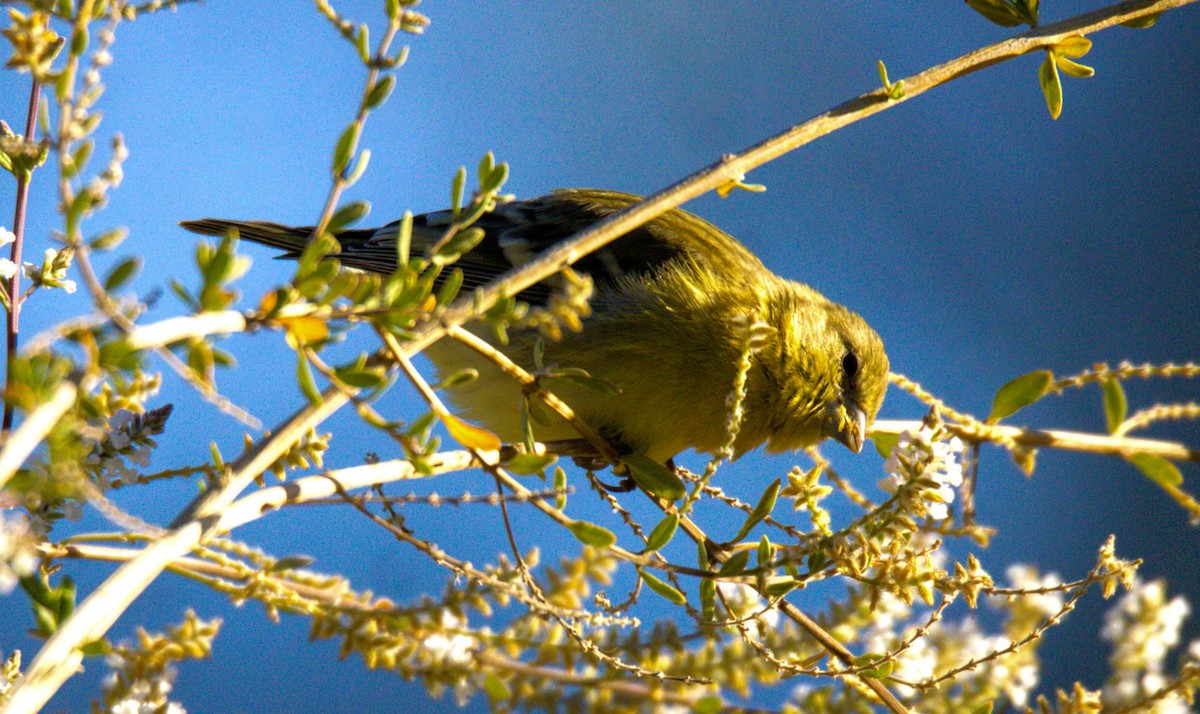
348 215
291 562
1115 405
121 274
1142 22
998 11
586 381
79 159
560 485
662 533
1157 469
110 239
457 186
459 244
780 588
1073 69
529 464
881 672
527 436
381 91
766 504
362 42
1051 85
764 558
486 165
495 688
1075 46
661 587
1019 393
404 240
592 534
885 443
495 178
985 708
654 478
708 598
96 648
450 288
304 377
736 563
346 144
458 378
712 704
360 167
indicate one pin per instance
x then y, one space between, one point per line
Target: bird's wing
517 232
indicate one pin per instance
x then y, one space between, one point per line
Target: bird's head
831 372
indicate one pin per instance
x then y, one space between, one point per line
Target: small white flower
68 285
18 551
6 236
450 649
931 466
7 268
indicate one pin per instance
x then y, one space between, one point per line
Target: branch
1053 438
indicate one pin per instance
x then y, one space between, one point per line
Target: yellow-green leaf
1073 69
304 377
708 705
1051 85
985 708
469 435
304 329
1019 393
997 11
1115 404
529 464
662 588
592 534
708 598
121 274
654 478
1076 47
736 563
1157 469
885 443
1142 22
880 672
560 485
495 688
766 504
346 145
662 533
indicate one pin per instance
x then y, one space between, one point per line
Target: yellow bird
668 314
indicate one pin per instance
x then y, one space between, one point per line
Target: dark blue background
980 238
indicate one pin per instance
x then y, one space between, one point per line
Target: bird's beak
847 423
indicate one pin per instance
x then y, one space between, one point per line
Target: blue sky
981 239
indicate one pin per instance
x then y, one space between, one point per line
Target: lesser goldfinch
668 314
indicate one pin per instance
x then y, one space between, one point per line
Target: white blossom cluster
138 695
451 649
18 549
120 451
923 471
1015 675
1143 628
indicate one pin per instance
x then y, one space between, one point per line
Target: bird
666 330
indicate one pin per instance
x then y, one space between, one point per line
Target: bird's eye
850 365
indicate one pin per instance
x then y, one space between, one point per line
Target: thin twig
12 323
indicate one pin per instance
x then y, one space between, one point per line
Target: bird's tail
289 238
